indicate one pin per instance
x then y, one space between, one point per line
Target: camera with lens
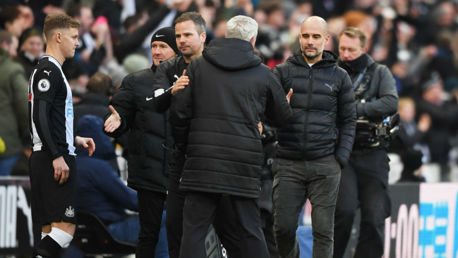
373 134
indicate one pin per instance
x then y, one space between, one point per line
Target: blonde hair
58 21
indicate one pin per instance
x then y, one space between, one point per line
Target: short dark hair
354 32
9 13
100 83
58 21
194 17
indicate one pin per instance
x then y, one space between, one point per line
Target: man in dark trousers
315 144
190 38
149 140
364 179
52 163
230 92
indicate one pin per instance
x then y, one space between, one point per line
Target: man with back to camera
315 144
148 140
52 163
230 92
365 178
170 79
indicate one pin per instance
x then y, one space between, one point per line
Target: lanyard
360 77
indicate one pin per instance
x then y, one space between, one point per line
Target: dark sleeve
346 120
386 102
112 186
162 84
444 115
279 76
44 89
278 111
124 103
180 112
130 42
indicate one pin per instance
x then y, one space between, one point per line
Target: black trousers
174 217
223 223
175 202
294 182
243 225
363 184
267 222
150 207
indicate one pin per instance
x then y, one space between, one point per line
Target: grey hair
242 27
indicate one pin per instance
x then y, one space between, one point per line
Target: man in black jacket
315 144
190 38
149 140
230 92
365 177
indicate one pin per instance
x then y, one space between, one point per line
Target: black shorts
51 202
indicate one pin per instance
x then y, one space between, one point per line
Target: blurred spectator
368 25
219 28
96 48
12 20
442 18
41 8
412 161
28 18
411 133
137 28
111 9
330 8
444 120
272 36
95 101
100 191
13 106
31 47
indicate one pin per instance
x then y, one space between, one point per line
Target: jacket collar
329 59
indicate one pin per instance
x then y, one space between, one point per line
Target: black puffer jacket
230 91
149 137
325 114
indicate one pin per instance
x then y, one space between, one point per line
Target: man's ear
58 36
203 36
253 41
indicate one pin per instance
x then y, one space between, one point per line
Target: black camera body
374 134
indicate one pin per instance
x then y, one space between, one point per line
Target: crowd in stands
416 39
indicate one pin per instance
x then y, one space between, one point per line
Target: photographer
364 179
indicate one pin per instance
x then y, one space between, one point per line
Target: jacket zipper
307 108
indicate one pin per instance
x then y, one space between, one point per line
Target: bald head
313 37
316 21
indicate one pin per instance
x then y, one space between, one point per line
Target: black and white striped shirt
51 109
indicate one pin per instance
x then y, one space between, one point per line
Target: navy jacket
100 190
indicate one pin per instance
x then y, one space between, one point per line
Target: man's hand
424 122
181 83
27 152
86 143
113 122
61 170
288 96
260 127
